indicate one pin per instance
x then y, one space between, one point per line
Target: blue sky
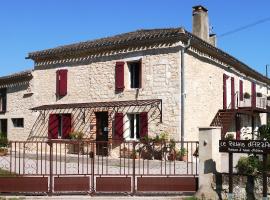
32 25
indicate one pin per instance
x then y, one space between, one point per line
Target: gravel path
72 164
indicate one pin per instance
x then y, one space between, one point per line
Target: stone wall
95 82
19 101
204 93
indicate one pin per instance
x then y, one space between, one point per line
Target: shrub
77 135
246 95
3 140
250 165
229 136
264 132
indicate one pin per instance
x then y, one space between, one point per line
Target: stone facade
94 81
19 100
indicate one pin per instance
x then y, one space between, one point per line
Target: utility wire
245 27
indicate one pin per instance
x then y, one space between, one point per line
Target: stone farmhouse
133 85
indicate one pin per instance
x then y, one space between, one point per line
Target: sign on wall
244 146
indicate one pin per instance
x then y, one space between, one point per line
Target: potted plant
76 148
3 144
246 95
182 154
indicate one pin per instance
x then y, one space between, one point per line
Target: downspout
183 94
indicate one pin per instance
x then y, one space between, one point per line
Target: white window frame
128 127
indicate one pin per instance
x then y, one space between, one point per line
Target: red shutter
241 96
232 93
253 94
63 82
57 82
225 77
66 127
53 126
143 124
119 126
119 76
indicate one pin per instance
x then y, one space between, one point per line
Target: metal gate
70 166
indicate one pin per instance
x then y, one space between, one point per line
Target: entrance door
3 126
102 133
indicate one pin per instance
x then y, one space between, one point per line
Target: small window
18 122
3 102
134 126
135 74
61 82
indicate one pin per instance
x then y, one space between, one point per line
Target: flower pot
183 158
3 151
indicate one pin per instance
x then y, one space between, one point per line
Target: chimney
213 39
200 23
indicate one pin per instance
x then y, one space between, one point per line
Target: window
59 126
61 82
134 126
3 98
18 122
135 74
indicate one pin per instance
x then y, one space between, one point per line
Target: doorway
102 133
3 126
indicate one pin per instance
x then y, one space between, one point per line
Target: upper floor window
135 74
3 100
61 82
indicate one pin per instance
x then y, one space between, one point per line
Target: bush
250 165
77 135
229 136
264 132
246 95
3 140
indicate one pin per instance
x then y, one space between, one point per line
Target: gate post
264 177
51 167
209 161
92 156
133 168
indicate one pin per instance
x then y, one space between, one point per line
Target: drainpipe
183 95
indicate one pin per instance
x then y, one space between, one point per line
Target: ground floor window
18 122
59 126
134 126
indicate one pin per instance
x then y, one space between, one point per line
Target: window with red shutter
135 74
253 94
61 82
53 126
225 77
119 77
119 126
241 96
143 124
66 125
232 93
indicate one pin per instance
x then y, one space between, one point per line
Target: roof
108 104
144 37
104 43
16 77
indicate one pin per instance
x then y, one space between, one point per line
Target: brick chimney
200 23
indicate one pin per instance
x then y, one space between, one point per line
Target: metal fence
92 166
